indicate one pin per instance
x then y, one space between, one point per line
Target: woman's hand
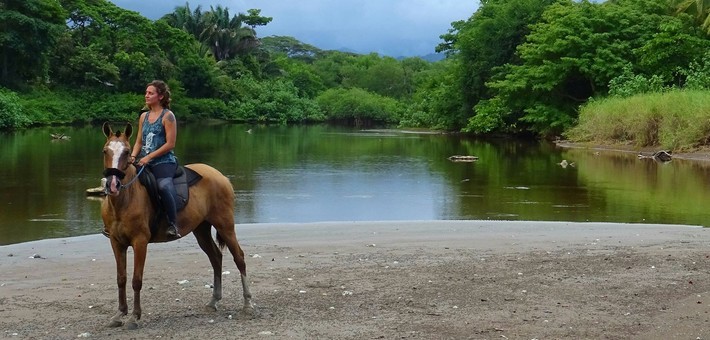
143 161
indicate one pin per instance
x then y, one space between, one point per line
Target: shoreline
393 279
701 155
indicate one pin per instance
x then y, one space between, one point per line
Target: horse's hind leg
226 233
204 239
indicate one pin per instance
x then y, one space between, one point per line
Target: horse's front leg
139 253
119 252
203 234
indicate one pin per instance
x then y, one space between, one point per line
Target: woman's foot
173 232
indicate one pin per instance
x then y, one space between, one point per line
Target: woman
157 131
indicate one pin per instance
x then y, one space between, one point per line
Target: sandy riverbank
381 280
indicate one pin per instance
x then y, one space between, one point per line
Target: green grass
675 120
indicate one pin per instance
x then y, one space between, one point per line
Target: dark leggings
164 174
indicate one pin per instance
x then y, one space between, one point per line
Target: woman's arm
139 139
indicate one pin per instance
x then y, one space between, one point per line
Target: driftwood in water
463 158
564 164
98 191
660 156
59 136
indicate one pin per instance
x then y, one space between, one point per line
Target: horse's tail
220 241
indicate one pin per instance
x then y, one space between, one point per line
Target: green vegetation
529 67
675 120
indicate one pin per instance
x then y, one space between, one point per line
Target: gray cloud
389 27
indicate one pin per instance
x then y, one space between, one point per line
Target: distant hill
348 50
432 57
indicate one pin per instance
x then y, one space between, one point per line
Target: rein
134 178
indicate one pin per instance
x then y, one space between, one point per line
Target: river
325 173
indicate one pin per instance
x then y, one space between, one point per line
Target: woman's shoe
173 232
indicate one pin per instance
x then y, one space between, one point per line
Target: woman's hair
162 88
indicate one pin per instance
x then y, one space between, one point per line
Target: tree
223 34
226 36
291 47
28 31
192 22
699 9
486 40
569 56
110 47
253 18
675 46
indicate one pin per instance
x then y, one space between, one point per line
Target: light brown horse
127 213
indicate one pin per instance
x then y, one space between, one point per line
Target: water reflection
319 173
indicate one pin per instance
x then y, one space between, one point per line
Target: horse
127 213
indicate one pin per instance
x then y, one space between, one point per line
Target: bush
44 107
629 84
677 120
196 109
698 75
115 107
358 105
12 115
275 101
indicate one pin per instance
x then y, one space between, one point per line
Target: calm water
318 173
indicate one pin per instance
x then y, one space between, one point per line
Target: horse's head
116 153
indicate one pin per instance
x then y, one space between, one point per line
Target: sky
397 28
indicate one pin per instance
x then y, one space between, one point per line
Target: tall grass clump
675 120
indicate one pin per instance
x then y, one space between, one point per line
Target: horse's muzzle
112 185
113 179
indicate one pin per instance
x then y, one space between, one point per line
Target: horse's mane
118 133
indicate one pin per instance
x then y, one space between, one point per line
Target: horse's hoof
211 307
132 323
248 312
115 323
116 320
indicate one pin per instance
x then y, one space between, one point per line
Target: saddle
183 179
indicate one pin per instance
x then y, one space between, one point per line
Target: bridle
120 174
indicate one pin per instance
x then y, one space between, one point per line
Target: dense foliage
512 67
674 120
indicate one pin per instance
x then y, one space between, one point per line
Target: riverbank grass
674 120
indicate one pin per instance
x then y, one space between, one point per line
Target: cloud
390 27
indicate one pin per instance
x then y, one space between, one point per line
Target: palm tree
193 22
226 36
700 9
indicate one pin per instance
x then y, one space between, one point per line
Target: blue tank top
153 138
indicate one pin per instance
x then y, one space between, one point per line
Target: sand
379 280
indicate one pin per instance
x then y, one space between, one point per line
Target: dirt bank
385 280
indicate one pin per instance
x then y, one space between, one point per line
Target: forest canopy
512 67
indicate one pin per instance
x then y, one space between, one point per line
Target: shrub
358 105
677 119
12 115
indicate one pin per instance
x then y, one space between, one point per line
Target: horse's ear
129 130
107 130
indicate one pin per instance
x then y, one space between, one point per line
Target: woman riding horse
127 212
